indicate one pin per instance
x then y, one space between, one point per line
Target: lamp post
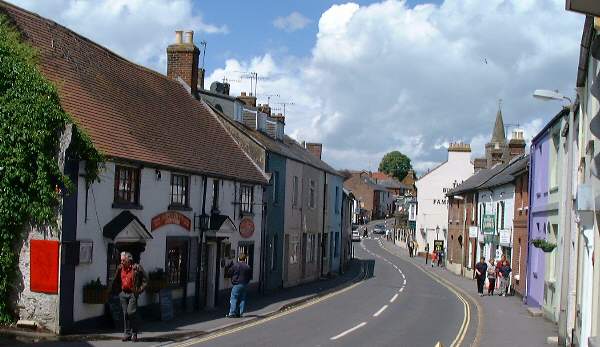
566 320
437 232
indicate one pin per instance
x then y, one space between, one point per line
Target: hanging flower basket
543 245
95 293
157 280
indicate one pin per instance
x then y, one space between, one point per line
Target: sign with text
438 246
170 217
473 230
488 224
505 238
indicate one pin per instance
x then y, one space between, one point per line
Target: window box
95 293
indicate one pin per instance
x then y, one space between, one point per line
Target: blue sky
366 77
251 31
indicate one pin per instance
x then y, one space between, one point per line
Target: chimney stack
516 145
247 99
265 108
315 148
479 163
182 60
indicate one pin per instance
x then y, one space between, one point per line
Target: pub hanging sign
488 226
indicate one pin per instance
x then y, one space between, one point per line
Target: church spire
498 136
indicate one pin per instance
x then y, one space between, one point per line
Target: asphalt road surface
397 304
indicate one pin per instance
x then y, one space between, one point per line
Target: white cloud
385 72
139 30
292 22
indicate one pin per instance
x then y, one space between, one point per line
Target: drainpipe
200 246
529 219
324 247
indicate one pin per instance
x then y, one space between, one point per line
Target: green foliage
395 164
543 245
31 121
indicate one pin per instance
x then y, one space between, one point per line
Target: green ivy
543 245
31 122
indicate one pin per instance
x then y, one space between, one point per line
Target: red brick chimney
182 60
247 99
516 145
315 148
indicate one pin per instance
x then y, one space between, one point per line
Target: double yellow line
462 331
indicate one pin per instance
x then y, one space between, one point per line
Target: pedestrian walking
241 274
480 271
426 253
129 282
505 271
440 258
491 275
410 248
433 258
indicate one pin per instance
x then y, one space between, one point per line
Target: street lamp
437 232
545 94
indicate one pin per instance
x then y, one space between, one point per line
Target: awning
221 226
126 228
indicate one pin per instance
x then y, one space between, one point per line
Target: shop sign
505 237
170 217
488 223
473 230
247 227
438 245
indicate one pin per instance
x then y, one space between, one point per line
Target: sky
364 77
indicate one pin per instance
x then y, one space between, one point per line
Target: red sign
43 266
170 217
247 227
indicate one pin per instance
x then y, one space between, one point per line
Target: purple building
543 212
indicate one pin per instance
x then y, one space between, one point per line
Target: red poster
43 266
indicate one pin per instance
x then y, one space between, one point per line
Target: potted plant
95 292
543 245
157 280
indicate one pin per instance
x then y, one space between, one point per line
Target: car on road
379 229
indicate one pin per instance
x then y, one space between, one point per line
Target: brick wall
520 236
182 61
361 191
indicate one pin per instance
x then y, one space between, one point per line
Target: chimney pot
189 37
178 37
243 93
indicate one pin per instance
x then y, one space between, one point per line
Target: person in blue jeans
241 274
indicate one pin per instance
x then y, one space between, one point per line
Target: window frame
311 194
183 243
185 187
246 199
295 191
215 196
132 190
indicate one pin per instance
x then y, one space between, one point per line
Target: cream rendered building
432 208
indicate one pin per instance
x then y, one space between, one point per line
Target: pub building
176 190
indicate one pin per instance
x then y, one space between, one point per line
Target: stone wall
39 307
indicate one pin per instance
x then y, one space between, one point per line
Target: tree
395 164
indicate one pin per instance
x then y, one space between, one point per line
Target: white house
432 209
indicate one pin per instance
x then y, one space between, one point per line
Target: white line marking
393 298
401 290
380 310
349 331
402 275
404 281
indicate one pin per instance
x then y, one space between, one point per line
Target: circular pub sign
247 227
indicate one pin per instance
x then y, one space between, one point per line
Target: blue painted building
333 215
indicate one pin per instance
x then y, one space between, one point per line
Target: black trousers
129 307
480 283
492 285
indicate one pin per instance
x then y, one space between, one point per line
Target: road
397 305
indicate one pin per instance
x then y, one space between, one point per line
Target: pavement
504 321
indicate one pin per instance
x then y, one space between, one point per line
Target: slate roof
288 148
131 112
495 176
